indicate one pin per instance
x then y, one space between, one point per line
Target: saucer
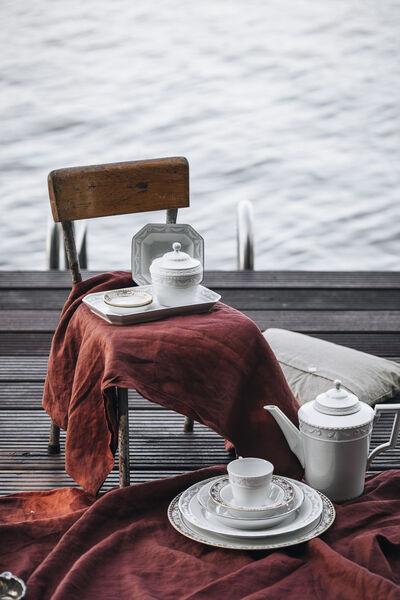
128 300
224 514
210 538
279 501
308 514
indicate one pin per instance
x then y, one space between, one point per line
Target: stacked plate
292 513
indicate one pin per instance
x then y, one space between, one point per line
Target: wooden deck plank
229 279
27 395
302 321
157 440
21 343
28 481
21 368
242 299
166 423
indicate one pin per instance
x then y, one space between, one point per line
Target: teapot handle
380 408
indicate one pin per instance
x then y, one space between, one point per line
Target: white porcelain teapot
333 442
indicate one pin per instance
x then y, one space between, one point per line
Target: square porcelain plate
155 239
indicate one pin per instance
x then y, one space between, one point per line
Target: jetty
360 310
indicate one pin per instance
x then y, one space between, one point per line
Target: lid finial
337 383
176 246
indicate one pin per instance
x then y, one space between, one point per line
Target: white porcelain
242 519
11 587
128 300
250 480
155 239
175 276
203 302
245 543
333 441
283 497
307 514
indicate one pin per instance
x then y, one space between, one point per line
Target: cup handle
380 408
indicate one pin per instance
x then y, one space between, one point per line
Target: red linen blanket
66 545
216 368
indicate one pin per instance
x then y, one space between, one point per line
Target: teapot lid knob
337 383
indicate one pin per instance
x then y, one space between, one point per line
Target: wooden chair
115 189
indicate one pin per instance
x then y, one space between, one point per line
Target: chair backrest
116 189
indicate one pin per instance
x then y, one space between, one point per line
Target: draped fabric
215 367
66 544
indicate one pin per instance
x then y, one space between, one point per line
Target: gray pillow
311 366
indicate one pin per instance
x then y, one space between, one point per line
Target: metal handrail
245 236
55 245
245 240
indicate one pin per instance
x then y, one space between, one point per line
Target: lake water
292 104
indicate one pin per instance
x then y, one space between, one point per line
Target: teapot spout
291 433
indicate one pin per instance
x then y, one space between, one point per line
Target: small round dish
127 300
11 587
240 522
279 501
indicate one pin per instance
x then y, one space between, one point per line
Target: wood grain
118 188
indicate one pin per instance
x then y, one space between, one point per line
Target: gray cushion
311 365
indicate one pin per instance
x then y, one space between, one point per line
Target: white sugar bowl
175 277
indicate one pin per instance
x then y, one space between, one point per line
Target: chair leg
54 439
188 425
123 437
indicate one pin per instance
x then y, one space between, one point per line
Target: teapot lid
176 259
337 401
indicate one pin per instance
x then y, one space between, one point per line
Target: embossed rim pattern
177 521
288 497
335 434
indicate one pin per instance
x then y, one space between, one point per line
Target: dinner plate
155 239
224 515
278 501
243 543
307 514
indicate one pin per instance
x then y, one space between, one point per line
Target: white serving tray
203 302
155 239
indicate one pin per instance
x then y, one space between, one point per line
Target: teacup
250 480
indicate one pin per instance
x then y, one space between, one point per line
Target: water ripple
291 105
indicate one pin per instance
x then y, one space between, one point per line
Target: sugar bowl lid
176 260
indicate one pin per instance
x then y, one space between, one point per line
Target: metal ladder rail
245 241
